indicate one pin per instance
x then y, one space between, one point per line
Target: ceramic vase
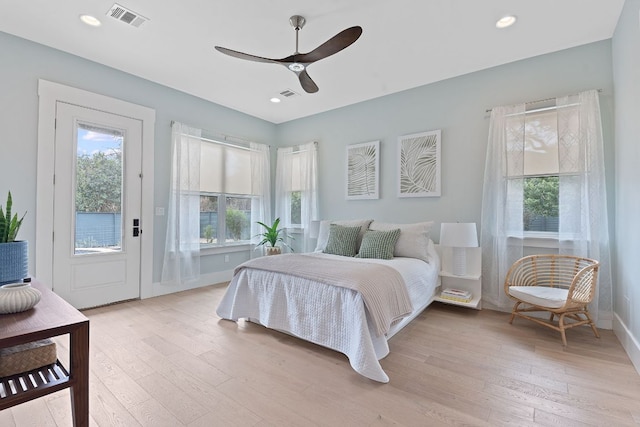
14 261
273 250
17 297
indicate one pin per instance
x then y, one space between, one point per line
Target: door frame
49 94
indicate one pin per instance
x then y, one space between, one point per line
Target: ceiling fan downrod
297 22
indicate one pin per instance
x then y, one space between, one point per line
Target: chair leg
513 312
562 329
551 315
593 325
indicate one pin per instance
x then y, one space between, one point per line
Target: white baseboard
159 289
628 341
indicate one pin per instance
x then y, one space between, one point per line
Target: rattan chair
562 285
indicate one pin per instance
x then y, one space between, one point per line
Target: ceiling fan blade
246 56
299 61
335 44
308 85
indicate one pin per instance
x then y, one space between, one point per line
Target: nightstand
471 282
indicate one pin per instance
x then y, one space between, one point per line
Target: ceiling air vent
288 93
126 15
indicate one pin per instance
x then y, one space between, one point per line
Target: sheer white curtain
502 201
182 246
583 224
261 189
297 170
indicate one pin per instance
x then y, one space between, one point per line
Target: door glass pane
98 192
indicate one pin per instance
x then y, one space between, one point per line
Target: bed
309 300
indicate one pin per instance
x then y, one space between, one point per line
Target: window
296 207
225 194
294 192
296 198
541 172
296 185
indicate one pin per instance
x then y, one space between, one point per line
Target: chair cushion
542 296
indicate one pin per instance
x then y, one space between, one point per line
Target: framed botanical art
363 170
419 164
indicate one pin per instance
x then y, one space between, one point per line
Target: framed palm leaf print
419 164
363 165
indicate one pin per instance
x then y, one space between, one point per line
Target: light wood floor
170 361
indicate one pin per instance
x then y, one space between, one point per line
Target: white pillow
413 241
323 232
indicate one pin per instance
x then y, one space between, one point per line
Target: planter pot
14 261
273 250
17 297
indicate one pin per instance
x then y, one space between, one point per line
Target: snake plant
9 226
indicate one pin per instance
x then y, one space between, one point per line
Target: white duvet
330 316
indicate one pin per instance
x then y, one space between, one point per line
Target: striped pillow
378 244
342 240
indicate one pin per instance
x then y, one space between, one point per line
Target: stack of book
458 295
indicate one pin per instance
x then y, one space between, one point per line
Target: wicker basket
26 357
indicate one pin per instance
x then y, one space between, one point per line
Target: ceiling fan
298 62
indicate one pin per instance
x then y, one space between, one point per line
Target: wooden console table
51 317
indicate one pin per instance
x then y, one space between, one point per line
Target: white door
97 205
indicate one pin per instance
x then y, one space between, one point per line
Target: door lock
136 227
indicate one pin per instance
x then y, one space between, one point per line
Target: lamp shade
459 235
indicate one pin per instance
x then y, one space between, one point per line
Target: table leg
79 342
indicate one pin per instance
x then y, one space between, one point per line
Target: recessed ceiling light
275 100
90 20
506 21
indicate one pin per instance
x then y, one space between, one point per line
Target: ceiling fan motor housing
297 21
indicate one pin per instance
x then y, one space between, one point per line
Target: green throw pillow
342 240
378 244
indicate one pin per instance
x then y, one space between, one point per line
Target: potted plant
272 236
14 255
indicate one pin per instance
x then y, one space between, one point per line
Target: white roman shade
225 169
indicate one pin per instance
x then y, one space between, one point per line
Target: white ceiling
405 43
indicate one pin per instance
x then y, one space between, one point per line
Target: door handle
136 227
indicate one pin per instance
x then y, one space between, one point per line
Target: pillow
413 241
323 232
342 240
378 244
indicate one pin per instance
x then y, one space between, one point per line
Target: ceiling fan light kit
298 62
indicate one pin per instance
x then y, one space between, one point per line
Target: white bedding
331 316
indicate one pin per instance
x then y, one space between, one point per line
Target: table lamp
459 236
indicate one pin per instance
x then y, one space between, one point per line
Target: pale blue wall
626 76
458 107
23 63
